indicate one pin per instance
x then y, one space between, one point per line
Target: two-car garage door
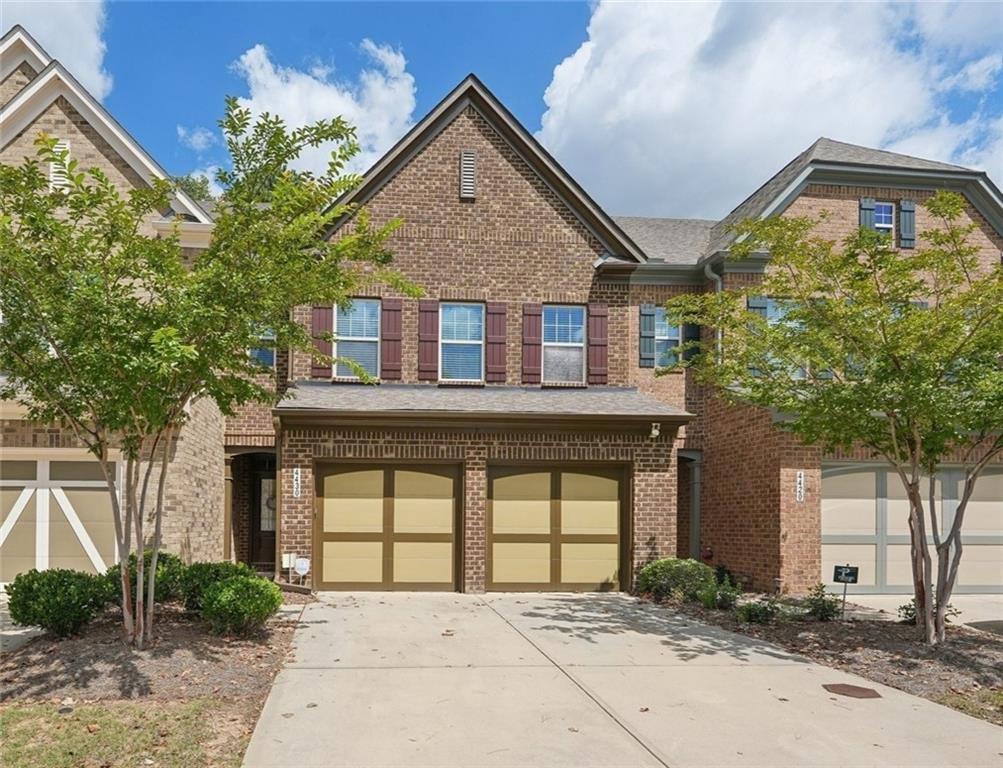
397 527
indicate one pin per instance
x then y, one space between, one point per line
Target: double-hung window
563 344
667 339
357 338
775 311
461 342
884 218
264 353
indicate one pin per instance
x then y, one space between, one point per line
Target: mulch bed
966 672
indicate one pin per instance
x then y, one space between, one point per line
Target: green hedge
59 600
673 577
170 572
198 577
241 604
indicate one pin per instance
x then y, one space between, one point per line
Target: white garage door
54 513
865 522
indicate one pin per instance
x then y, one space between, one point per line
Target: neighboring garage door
387 527
865 522
55 514
554 529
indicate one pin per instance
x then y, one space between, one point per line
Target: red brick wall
683 510
652 462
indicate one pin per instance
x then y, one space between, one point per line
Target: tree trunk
121 537
921 566
157 532
128 617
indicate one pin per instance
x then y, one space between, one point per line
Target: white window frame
678 338
584 343
888 229
369 339
57 179
481 343
265 336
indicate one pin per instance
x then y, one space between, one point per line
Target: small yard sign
845 574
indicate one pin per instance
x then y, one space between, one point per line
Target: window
884 217
265 353
667 338
57 173
563 344
461 347
775 312
357 338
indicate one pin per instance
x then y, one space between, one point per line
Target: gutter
714 277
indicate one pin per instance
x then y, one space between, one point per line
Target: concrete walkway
576 680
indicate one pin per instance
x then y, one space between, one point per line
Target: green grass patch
983 703
119 733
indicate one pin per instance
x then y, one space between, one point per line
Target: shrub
719 595
758 611
200 576
59 600
820 605
724 575
240 605
170 572
907 612
674 577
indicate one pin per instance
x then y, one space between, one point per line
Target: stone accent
652 474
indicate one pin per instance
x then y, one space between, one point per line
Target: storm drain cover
853 691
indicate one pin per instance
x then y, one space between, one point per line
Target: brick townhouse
518 438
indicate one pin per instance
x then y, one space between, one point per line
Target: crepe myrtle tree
116 333
862 344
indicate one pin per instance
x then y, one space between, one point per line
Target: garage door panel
12 469
353 502
862 555
423 502
520 563
68 471
981 565
352 561
984 515
521 504
423 562
589 563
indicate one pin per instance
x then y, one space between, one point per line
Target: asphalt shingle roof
428 399
673 241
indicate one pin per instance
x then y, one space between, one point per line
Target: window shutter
428 340
322 324
757 304
646 347
691 333
468 174
390 339
907 224
494 342
867 212
598 343
532 343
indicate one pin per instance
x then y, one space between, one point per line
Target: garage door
865 522
554 529
387 528
55 514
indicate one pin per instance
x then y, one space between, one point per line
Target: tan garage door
54 513
386 528
554 529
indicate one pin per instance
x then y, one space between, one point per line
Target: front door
263 518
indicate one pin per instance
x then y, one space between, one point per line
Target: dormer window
884 217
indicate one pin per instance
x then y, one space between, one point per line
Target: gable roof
53 81
831 154
472 92
671 241
17 47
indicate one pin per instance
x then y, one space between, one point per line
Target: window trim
583 344
335 338
678 337
482 343
884 229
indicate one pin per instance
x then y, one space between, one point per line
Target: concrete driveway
403 679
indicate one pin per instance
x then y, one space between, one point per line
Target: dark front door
263 517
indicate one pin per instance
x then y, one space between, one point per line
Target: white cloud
70 32
197 138
380 103
685 109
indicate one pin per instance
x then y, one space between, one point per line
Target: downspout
708 270
695 481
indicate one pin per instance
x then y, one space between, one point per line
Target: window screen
357 330
462 342
563 344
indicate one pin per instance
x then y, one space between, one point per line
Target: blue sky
665 109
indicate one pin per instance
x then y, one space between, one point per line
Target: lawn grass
985 704
199 732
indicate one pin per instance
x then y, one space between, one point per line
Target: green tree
196 187
113 333
898 351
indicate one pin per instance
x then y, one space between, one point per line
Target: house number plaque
297 482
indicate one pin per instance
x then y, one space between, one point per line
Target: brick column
654 495
296 514
475 495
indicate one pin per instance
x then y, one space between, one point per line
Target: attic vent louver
57 175
468 174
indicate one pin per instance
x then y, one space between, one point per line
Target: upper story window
563 344
667 338
357 338
264 353
884 217
57 173
461 347
775 311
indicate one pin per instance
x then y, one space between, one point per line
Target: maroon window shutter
390 339
495 342
532 343
598 343
322 324
428 340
